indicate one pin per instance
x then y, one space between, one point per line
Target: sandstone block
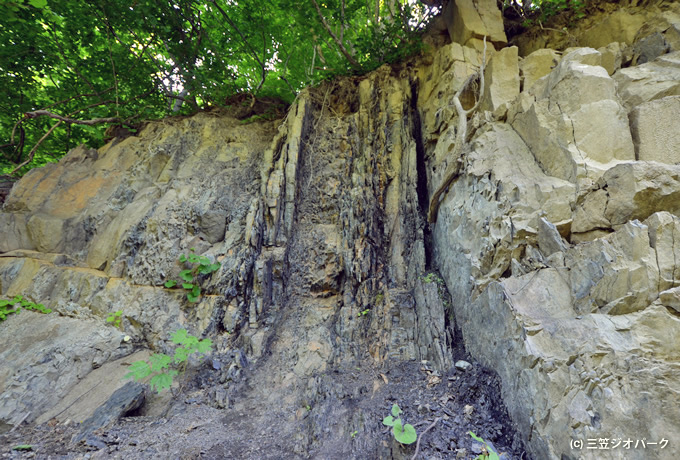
502 79
612 55
537 65
655 129
466 19
649 81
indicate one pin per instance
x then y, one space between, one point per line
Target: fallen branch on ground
421 436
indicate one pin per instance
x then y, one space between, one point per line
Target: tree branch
94 121
421 437
459 149
353 62
35 147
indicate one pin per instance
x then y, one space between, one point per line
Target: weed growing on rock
403 433
432 277
488 451
200 265
7 307
115 318
159 363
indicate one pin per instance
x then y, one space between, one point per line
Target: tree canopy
69 66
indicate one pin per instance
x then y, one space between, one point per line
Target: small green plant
24 447
363 312
432 277
488 451
14 305
354 434
403 432
115 318
159 363
200 265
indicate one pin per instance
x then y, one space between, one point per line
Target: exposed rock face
470 21
557 242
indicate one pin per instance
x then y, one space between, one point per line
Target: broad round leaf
405 435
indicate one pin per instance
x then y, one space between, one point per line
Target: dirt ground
341 420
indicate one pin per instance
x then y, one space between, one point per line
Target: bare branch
415 454
353 62
35 147
94 121
460 146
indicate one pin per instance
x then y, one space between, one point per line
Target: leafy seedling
403 432
7 306
488 451
159 364
115 318
24 447
200 265
363 312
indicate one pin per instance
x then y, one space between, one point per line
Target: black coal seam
421 184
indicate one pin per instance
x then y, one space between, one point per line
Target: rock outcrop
556 241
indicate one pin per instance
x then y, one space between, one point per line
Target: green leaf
159 361
186 275
162 381
204 346
192 298
179 336
138 370
204 260
389 421
196 290
171 283
23 447
406 434
193 258
181 355
4 303
182 258
475 437
38 3
396 410
187 285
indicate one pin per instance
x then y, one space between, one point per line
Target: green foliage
159 364
24 447
115 318
140 60
549 8
200 265
403 432
542 10
363 312
14 305
432 277
488 452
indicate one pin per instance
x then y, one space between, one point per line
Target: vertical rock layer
557 241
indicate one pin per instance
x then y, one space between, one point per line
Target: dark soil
341 420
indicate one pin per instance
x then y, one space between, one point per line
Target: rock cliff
555 242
